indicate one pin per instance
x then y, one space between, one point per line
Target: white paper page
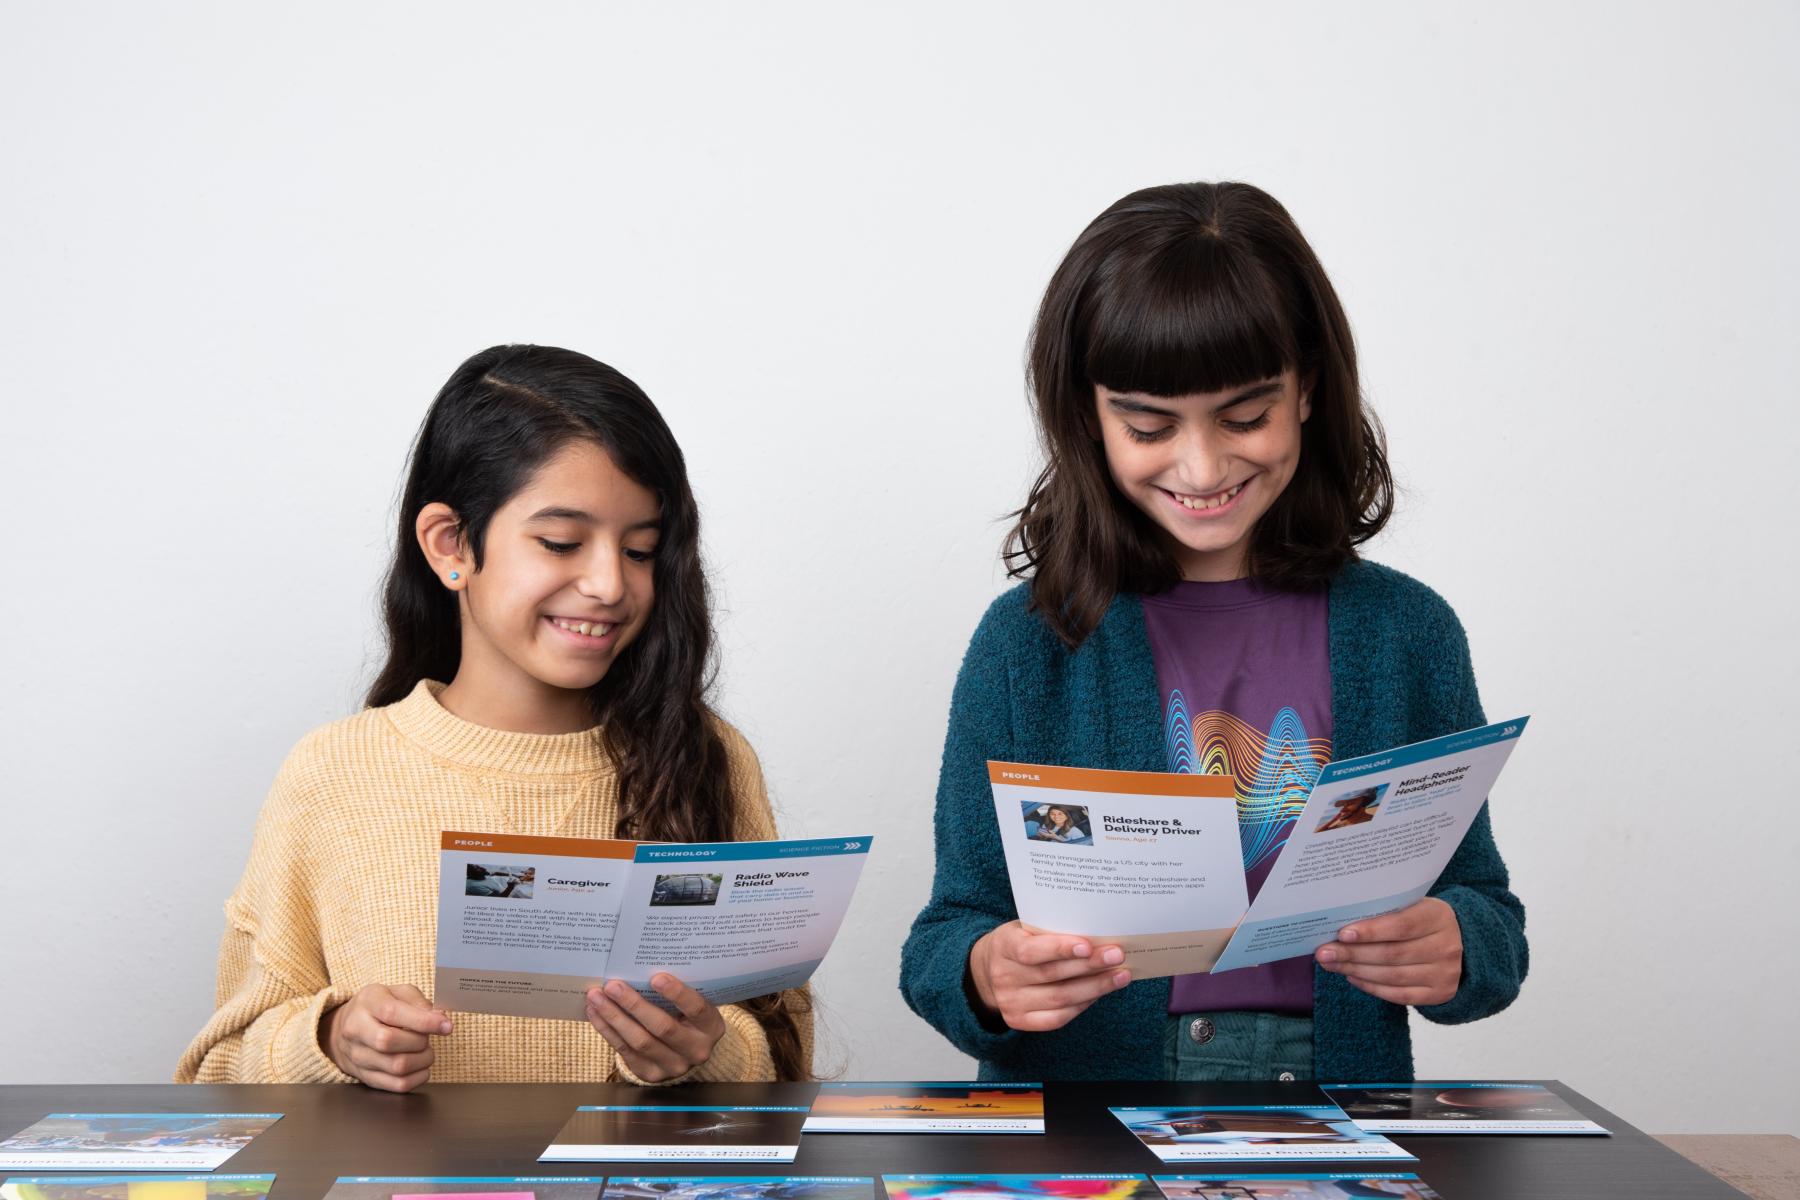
1147 861
734 919
1376 833
525 924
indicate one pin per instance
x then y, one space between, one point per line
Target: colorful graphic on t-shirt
1274 771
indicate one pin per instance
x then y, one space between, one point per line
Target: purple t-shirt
1245 676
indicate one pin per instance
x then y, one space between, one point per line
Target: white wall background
242 245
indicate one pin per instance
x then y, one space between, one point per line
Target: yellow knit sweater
342 885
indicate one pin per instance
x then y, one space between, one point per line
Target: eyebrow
1130 404
555 513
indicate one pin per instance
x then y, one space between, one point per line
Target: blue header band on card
738 851
469 1178
693 1108
1337 1175
93 1180
1405 756
173 1116
1435 1083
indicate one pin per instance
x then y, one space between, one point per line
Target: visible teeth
1200 504
586 628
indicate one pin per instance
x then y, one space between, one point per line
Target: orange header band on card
512 843
1130 783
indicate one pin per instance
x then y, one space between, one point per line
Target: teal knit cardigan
1400 673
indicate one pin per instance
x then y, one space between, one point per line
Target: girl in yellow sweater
547 566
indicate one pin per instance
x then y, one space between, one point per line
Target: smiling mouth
1207 503
593 633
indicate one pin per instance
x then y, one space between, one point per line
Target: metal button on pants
1200 1030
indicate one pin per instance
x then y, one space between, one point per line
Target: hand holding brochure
1374 836
526 925
1146 861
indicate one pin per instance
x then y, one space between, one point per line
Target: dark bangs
1187 312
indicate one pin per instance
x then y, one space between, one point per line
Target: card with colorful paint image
136 1187
928 1108
679 1133
132 1141
1359 1185
1019 1187
1254 1133
741 1187
1446 1107
466 1187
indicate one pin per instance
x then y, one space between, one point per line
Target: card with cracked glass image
1444 1107
928 1108
1019 1187
1340 1186
1148 861
136 1187
132 1141
742 1187
680 1133
466 1187
1254 1133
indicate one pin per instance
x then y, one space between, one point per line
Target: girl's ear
440 537
1306 390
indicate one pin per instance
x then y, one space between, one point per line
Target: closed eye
559 547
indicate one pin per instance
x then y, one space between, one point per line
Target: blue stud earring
454 576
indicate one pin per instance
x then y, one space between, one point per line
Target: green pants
1238 1045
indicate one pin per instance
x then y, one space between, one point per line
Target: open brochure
679 1132
526 925
132 1141
465 1187
927 1108
1374 836
1459 1108
1253 1133
1152 862
1359 1185
1143 860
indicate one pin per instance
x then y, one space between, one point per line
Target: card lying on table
1019 1187
132 1141
1458 1108
136 1187
465 1187
928 1108
679 1132
1254 1133
1354 1186
742 1187
527 924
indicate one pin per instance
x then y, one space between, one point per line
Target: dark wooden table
500 1129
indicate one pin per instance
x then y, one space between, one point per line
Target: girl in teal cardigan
1191 578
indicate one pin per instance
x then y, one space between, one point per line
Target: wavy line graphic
1274 771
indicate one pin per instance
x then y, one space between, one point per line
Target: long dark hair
1189 287
501 416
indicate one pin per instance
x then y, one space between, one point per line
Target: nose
603 576
1204 466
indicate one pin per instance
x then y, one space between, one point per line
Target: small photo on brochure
686 888
1353 808
508 881
465 1187
928 1108
1444 1107
1064 824
1254 1133
136 1187
742 1187
1349 1186
679 1133
1019 1187
132 1141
